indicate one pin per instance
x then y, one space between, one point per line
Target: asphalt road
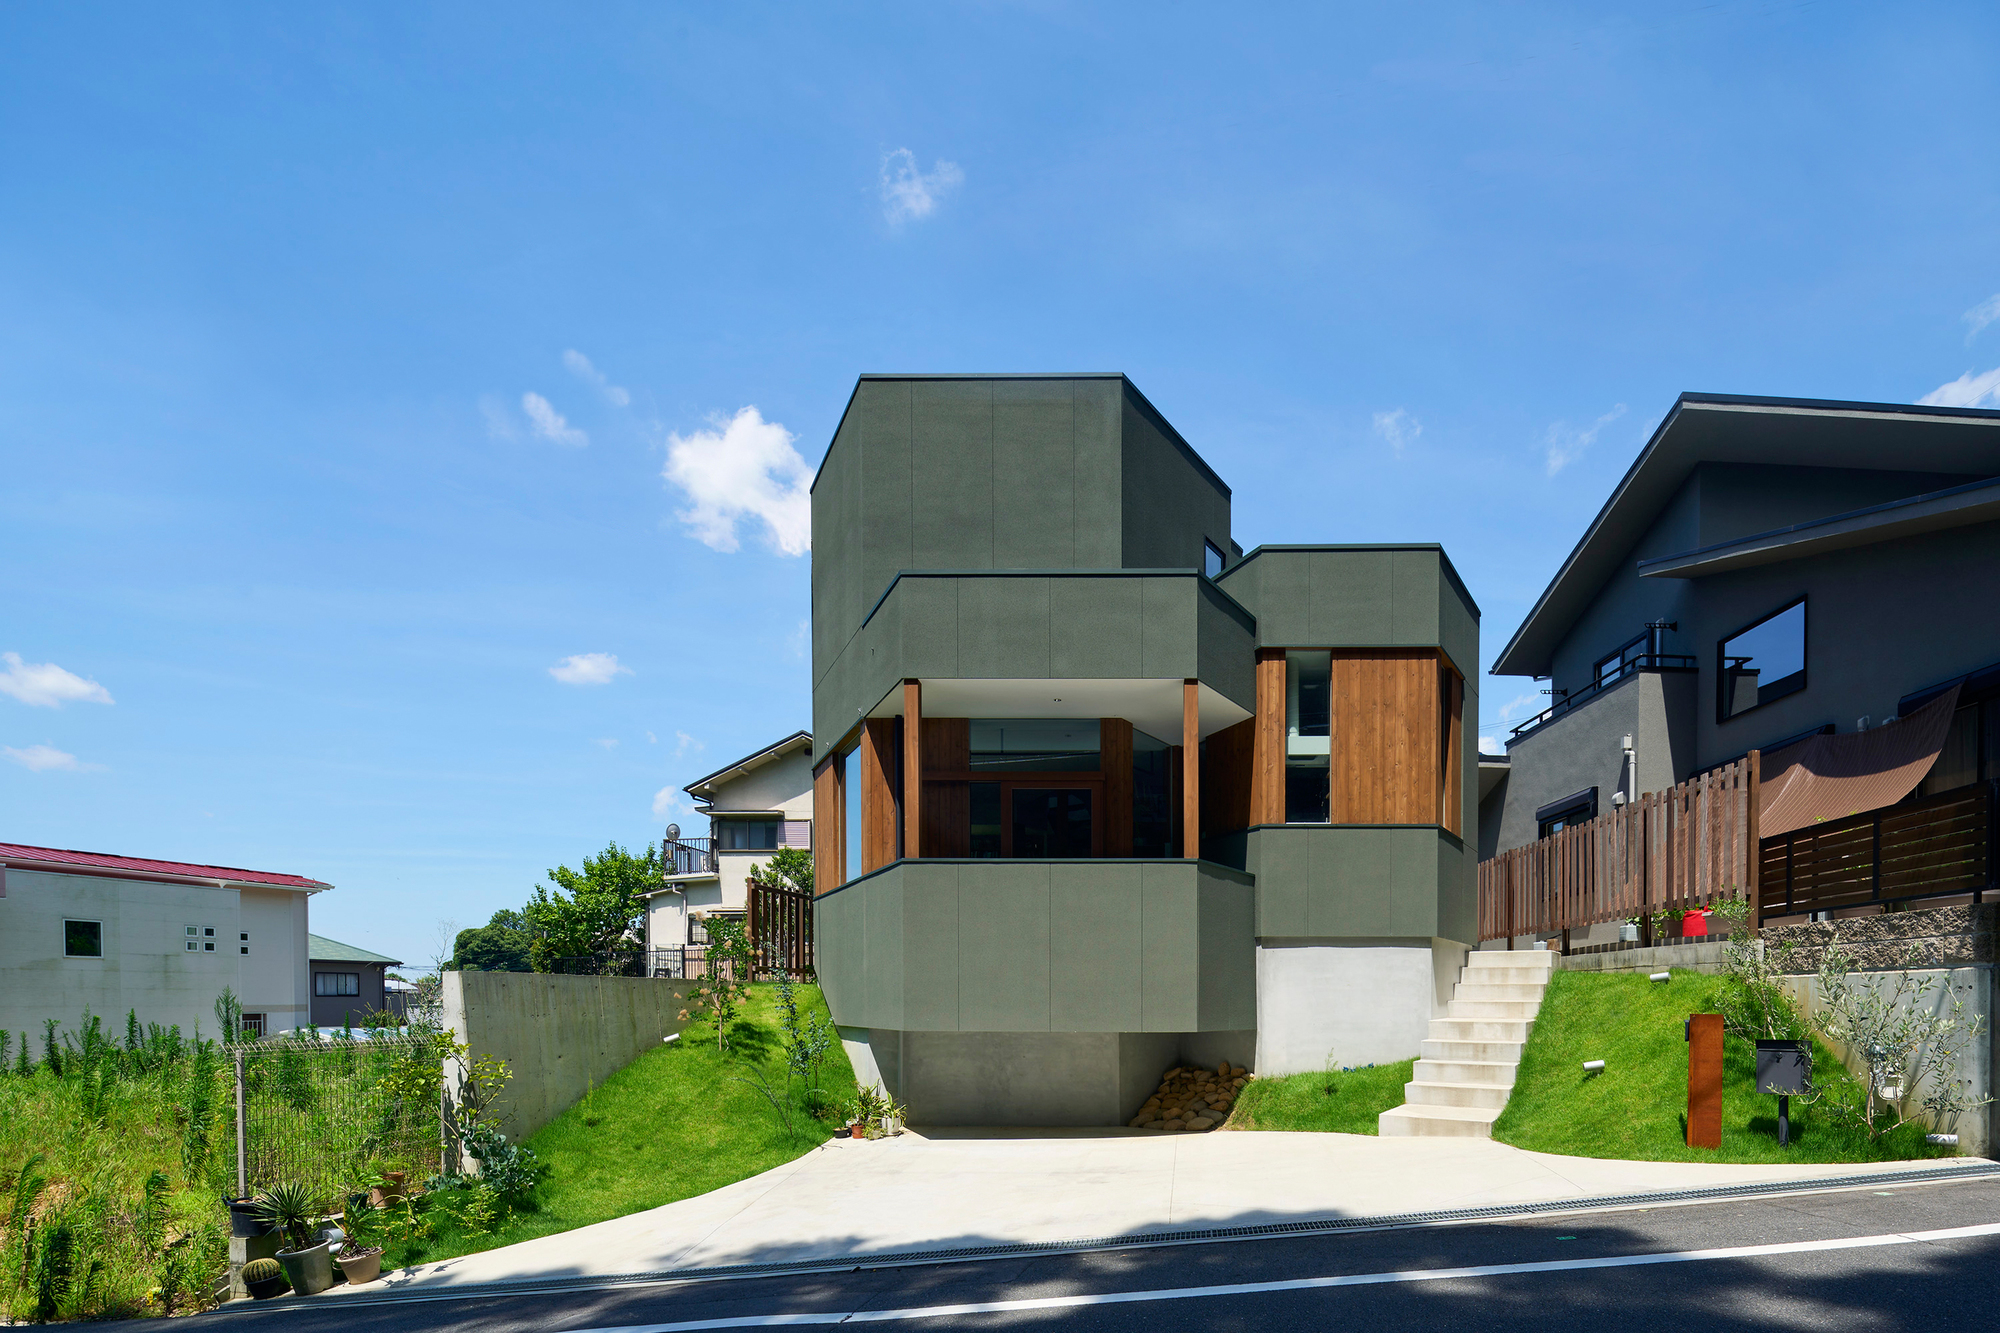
1598 1270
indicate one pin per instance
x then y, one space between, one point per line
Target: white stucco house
756 805
83 930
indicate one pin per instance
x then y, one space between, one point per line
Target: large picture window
1761 662
336 983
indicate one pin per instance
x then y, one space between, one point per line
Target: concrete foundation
1041 1079
1345 1002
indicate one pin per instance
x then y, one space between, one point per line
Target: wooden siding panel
1267 779
1115 762
1226 769
1385 736
829 811
947 808
880 766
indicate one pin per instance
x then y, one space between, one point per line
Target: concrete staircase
1466 1071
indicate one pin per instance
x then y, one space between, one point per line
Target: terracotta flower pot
363 1267
857 1130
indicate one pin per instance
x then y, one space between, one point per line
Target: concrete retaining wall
560 1035
1659 958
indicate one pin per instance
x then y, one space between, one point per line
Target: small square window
208 930
209 947
83 939
192 947
245 948
244 936
192 930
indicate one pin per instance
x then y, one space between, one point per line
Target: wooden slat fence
781 930
1939 846
1685 847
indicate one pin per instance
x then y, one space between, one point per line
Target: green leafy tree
592 911
501 945
789 868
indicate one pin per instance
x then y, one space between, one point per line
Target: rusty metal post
1704 1113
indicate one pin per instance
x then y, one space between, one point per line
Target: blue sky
371 376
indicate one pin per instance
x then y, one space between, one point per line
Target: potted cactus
291 1208
263 1278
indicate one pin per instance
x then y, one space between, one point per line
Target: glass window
83 939
753 835
1152 788
1763 662
336 983
850 795
1051 823
985 819
1308 724
1034 745
1212 559
1615 665
254 1024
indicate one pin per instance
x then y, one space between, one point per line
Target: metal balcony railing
1578 697
688 856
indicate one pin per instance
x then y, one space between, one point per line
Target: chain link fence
334 1113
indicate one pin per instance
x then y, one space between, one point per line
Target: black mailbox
1784 1068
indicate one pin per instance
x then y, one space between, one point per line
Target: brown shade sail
1831 777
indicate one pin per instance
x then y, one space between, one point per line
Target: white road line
1304 1283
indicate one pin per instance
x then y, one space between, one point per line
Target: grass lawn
1336 1103
1637 1107
670 1125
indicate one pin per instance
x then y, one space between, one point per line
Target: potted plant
263 1279
360 1253
1628 931
387 1189
290 1207
246 1219
1694 922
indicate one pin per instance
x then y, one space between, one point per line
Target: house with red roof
86 930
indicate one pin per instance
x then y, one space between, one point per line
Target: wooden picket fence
1685 847
781 930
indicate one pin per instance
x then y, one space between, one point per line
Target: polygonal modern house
1096 792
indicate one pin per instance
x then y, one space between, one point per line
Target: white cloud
1567 444
687 743
46 758
606 742
1491 745
743 468
668 801
801 640
589 669
549 423
651 739
1398 428
46 685
1519 706
579 366
907 193
1977 318
1968 390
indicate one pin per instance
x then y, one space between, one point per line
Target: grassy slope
1637 1107
668 1126
1337 1103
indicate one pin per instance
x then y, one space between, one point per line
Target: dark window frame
1576 808
1722 715
1641 639
69 921
320 990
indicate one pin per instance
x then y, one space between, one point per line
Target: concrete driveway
951 1189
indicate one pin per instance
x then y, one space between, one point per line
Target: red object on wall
1704 1113
1694 923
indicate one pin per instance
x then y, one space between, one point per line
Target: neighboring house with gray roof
347 982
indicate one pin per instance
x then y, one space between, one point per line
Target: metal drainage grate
1137 1240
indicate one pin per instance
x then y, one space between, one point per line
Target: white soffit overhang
1958 507
1153 706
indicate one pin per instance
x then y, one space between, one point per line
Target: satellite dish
673 833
